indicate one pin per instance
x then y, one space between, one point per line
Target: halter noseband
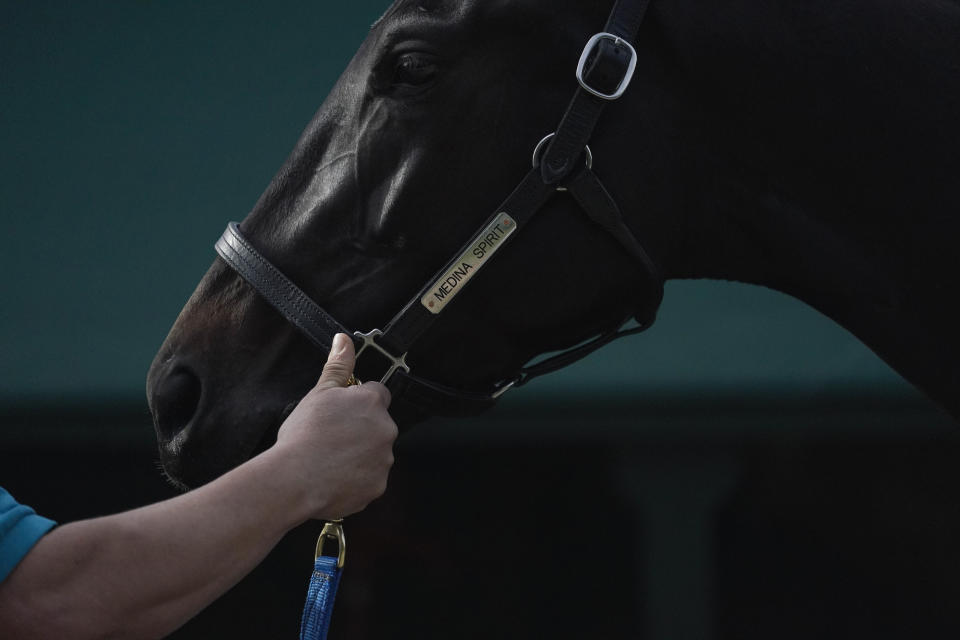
603 73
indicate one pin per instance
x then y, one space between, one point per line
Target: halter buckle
627 72
370 340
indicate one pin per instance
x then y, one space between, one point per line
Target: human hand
337 444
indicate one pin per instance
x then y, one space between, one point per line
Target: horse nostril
176 399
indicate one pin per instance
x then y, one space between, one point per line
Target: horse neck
808 152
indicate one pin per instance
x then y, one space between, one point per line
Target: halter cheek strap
603 73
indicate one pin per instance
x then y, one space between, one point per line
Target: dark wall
746 469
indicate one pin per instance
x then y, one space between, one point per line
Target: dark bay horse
811 147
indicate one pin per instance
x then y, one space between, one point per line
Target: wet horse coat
807 147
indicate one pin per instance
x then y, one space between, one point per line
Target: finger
379 389
339 364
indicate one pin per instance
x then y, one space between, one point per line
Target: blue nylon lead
320 596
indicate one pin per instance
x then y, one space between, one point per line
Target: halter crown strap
607 64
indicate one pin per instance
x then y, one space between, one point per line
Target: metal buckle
396 362
628 74
541 147
333 530
537 150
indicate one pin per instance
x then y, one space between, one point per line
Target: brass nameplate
483 245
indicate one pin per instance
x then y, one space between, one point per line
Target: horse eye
414 70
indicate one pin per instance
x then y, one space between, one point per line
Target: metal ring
540 146
333 530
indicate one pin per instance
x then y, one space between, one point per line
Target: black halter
603 73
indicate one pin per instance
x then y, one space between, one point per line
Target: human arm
143 573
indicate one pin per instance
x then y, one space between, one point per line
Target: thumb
339 364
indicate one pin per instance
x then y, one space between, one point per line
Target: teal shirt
20 529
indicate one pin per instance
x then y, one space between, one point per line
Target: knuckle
387 433
335 369
377 391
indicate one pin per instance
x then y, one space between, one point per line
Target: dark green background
746 469
131 132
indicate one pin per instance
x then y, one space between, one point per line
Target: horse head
735 154
428 129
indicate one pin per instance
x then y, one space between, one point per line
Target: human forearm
143 573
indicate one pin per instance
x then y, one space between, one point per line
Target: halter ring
541 146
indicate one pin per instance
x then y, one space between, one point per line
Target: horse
809 147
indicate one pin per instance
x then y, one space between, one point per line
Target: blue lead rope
324 581
320 596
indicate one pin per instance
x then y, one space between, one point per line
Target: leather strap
570 356
408 390
584 109
277 289
408 325
301 311
600 206
441 400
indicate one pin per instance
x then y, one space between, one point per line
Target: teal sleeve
20 529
